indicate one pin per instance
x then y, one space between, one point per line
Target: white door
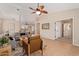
67 30
58 30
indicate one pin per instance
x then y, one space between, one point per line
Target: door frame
72 19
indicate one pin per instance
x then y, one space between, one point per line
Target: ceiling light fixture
38 12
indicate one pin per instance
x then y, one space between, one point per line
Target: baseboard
75 44
46 38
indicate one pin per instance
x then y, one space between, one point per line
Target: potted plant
4 41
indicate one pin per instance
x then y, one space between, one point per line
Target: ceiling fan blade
45 12
32 8
33 12
37 9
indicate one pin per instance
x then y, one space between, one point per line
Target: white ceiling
9 9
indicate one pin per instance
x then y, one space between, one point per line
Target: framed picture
45 26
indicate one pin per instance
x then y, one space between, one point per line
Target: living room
20 22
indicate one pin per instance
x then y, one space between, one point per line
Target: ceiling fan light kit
38 12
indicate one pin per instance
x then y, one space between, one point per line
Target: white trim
75 44
73 30
47 38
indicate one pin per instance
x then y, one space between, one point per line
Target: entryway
64 30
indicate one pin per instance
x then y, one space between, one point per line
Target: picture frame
45 26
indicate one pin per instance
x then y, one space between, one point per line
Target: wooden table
5 51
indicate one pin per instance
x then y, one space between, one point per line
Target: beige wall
53 17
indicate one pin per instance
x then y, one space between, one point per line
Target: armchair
34 44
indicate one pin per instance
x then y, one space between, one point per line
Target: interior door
67 30
58 29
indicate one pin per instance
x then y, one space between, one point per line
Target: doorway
67 28
58 29
64 30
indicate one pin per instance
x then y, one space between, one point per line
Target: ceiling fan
39 10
